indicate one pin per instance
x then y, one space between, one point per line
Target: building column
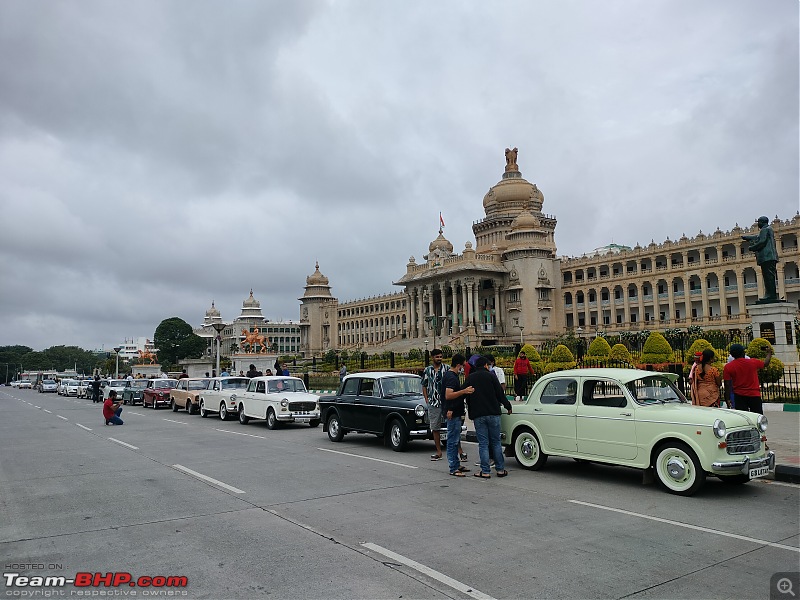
470 296
704 296
476 305
687 299
626 308
640 296
497 309
723 297
740 289
670 300
465 314
420 312
454 312
410 308
780 284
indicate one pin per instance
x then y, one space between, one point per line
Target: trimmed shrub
656 349
774 370
599 348
531 353
561 359
620 353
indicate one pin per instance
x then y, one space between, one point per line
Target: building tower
318 317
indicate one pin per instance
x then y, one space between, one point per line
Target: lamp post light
521 341
218 327
426 352
116 350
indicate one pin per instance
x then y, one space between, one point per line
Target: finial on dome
511 160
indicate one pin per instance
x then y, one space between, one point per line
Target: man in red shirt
740 376
112 410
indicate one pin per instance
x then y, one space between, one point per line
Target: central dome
512 193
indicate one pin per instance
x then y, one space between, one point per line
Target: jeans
487 429
453 440
115 420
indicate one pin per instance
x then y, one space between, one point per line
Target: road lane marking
178 422
240 433
686 526
209 479
47 411
82 426
39 407
60 417
130 412
440 577
124 444
388 462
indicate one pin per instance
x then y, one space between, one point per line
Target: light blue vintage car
637 419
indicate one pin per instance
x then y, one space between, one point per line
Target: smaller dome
525 221
212 312
316 278
441 243
251 302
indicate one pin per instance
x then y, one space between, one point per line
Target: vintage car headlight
233 397
419 410
284 403
762 423
719 428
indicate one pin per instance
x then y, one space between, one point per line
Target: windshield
286 385
138 383
117 383
165 383
398 386
238 383
648 390
198 385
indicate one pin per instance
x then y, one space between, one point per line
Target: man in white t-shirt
498 372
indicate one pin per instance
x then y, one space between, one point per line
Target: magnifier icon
784 586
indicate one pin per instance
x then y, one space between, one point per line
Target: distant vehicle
187 393
132 392
26 383
113 384
84 388
71 387
158 392
48 385
222 395
278 400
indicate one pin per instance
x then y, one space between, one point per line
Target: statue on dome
511 160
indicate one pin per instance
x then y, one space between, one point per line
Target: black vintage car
132 394
389 405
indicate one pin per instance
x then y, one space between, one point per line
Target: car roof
621 375
379 374
228 377
272 378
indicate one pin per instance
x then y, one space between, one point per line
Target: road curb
788 473
776 406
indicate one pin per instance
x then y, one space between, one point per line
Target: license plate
302 419
759 472
443 437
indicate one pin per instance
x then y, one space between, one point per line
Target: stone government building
513 285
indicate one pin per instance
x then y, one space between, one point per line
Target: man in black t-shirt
454 410
95 385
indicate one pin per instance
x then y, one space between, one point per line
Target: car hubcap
333 427
676 469
528 449
395 435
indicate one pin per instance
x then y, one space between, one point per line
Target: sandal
463 469
482 475
436 457
502 473
463 457
457 474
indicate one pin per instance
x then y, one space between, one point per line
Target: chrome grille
302 406
743 442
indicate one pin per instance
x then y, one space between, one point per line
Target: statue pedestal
775 323
146 371
241 361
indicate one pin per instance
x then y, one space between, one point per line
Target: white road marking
130 412
179 422
209 479
388 462
82 426
124 444
60 417
240 433
440 577
47 411
39 407
686 526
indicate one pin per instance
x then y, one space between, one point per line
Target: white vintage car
278 400
221 396
637 419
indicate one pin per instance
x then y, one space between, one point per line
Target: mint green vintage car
636 419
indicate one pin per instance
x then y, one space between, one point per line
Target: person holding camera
112 410
741 379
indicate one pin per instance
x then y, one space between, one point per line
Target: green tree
620 353
175 341
561 359
599 348
656 349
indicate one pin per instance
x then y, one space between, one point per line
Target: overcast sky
156 156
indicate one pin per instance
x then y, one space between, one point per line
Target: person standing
112 410
498 372
432 390
522 368
342 373
705 381
252 372
741 379
96 389
454 412
484 410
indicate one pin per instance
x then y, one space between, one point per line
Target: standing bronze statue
763 245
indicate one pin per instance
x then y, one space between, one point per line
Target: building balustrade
750 286
713 290
728 258
711 261
731 288
678 294
593 304
648 297
791 281
647 269
695 292
661 267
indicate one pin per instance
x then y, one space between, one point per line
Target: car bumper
426 433
298 417
744 465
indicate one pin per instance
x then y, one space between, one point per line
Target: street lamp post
218 327
116 350
521 341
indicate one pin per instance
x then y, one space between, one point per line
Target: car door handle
626 414
537 410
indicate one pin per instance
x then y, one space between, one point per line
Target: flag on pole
441 220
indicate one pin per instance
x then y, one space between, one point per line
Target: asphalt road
245 512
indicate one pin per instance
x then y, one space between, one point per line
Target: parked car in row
132 392
117 385
221 396
70 387
636 419
157 392
25 384
389 405
278 400
186 394
48 386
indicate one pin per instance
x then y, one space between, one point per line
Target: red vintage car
157 392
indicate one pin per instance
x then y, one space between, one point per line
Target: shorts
435 416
